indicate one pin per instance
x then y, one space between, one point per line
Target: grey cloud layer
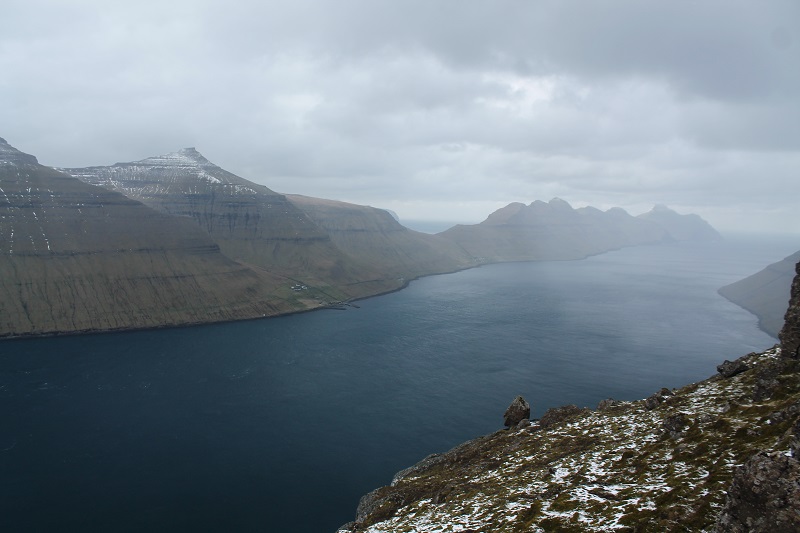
433 109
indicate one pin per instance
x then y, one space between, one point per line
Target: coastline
480 262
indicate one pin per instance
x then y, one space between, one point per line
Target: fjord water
281 424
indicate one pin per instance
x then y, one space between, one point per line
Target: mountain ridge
80 258
298 252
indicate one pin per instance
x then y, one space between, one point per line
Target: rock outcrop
764 496
765 293
518 411
790 334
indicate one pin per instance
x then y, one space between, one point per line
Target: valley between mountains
175 240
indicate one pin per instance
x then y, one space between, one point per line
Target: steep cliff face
342 250
552 231
765 293
373 238
250 223
719 455
790 334
75 257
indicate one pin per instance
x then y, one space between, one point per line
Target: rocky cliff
175 239
719 455
340 250
552 231
75 257
249 222
375 239
765 293
790 333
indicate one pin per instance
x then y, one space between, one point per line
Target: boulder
656 399
517 411
674 425
608 403
764 496
556 415
728 369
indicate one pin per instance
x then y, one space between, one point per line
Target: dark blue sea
282 424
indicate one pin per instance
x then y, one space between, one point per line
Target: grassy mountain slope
75 257
765 293
250 223
373 238
340 250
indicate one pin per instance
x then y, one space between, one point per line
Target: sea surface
282 424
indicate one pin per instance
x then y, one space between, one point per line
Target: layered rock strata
75 257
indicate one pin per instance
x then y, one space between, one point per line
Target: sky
437 110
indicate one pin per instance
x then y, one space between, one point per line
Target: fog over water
282 424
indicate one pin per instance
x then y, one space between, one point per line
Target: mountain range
175 240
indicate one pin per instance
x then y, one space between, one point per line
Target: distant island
175 240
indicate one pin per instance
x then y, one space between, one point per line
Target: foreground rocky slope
719 455
75 257
765 293
556 231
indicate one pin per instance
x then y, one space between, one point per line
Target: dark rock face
557 415
767 383
607 404
728 369
518 410
657 399
790 334
675 425
764 496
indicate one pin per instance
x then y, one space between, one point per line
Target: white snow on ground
591 487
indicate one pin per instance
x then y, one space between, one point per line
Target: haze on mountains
212 246
441 111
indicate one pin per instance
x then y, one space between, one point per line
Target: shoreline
327 306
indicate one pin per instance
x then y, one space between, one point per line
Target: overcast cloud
438 110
